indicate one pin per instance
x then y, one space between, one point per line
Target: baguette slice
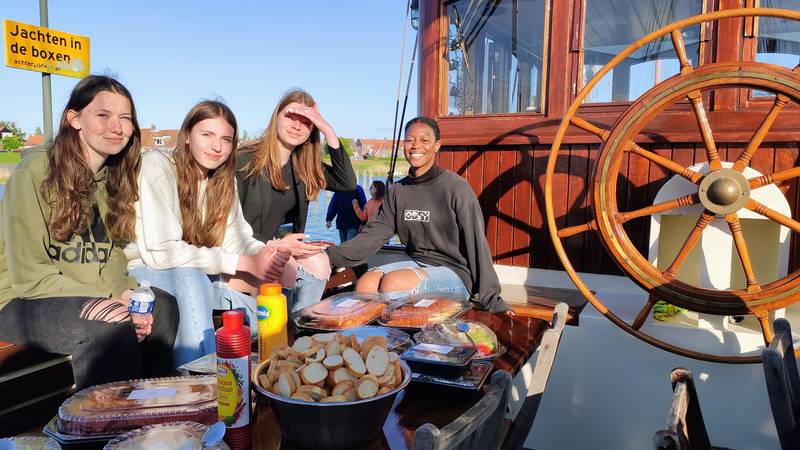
317 357
333 362
263 380
302 344
314 373
367 387
286 384
377 359
334 399
296 378
337 376
333 348
316 392
303 396
341 388
324 338
355 365
384 390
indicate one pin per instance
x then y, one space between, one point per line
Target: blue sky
172 54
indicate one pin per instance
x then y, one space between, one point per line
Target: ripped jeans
198 294
101 351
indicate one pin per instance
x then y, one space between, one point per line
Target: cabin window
496 56
158 141
611 25
778 39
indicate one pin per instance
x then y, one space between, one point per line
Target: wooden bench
33 383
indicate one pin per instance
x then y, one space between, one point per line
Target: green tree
11 142
38 132
12 127
348 145
245 136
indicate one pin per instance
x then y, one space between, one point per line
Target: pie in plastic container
115 408
342 311
165 436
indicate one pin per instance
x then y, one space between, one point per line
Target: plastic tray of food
207 365
472 379
342 311
172 435
441 360
397 339
69 440
418 310
28 443
463 333
115 408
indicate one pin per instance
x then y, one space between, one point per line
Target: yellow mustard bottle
272 318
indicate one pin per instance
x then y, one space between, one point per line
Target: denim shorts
438 279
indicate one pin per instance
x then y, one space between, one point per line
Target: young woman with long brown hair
66 214
280 173
190 229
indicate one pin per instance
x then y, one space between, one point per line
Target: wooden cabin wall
509 182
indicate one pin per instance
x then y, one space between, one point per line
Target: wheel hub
724 191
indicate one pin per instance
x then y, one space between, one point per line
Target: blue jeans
307 291
439 278
197 295
347 233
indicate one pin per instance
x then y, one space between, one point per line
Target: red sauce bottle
233 379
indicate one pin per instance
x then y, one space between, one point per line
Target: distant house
5 132
33 140
374 148
158 139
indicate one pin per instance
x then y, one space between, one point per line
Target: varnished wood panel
509 183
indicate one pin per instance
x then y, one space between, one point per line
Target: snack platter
473 379
173 435
341 311
51 430
499 351
115 408
416 311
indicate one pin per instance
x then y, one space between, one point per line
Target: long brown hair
69 182
306 157
220 190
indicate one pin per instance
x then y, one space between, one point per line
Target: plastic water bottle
142 299
233 379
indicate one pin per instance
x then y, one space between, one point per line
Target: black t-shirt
438 218
284 203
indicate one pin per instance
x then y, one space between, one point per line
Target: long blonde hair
220 190
306 157
68 185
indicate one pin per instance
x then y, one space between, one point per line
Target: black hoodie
438 218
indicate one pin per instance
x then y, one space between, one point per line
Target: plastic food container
114 408
342 311
166 436
397 339
462 333
440 360
416 311
28 443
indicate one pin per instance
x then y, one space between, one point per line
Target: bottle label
263 313
233 391
141 303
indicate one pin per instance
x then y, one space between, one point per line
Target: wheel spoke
577 229
744 255
680 50
680 202
776 177
694 236
769 213
586 126
766 327
705 129
645 312
670 165
758 136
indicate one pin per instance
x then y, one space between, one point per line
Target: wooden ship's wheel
722 192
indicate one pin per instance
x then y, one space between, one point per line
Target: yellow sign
45 50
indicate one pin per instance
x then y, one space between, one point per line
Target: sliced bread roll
314 373
355 365
367 387
333 362
377 360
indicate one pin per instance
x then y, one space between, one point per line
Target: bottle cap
144 284
233 320
270 289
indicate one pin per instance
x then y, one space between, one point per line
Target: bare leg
318 265
289 278
401 280
369 282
